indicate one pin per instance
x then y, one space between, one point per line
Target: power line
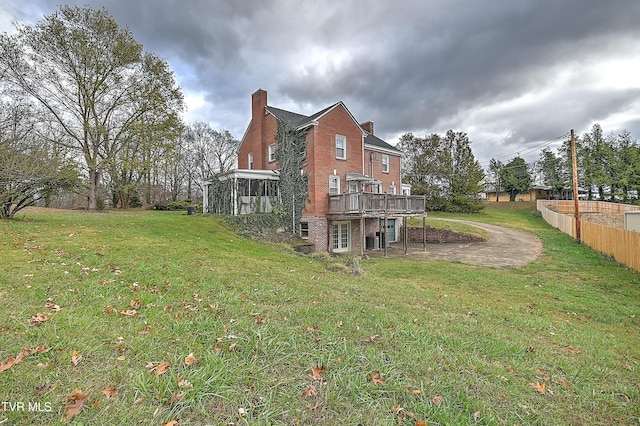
527 151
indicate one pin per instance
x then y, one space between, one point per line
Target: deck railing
359 203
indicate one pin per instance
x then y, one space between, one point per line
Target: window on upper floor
272 152
334 185
250 160
385 163
341 147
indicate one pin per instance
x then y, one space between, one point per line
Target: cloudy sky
513 74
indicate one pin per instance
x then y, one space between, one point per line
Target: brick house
354 184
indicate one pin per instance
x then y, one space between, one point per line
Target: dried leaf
52 306
38 319
135 303
572 350
128 313
541 388
23 354
7 365
189 359
310 391
162 368
416 392
422 424
437 400
146 330
75 358
184 384
109 392
172 422
159 368
316 373
109 310
377 378
75 403
175 397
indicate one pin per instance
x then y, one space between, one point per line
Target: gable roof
377 143
300 120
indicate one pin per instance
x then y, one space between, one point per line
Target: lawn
142 317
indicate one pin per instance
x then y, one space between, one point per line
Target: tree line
84 108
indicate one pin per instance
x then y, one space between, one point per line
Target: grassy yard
156 318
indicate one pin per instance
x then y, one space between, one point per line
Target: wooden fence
623 245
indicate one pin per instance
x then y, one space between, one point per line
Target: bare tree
94 81
30 169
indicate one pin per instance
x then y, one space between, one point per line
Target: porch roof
253 174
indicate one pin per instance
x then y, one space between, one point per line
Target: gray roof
300 120
379 143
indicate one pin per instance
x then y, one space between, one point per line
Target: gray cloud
510 73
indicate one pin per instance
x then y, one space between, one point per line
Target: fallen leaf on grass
38 319
75 403
175 397
109 392
184 384
377 378
310 391
23 354
159 368
7 365
416 392
189 359
572 350
316 373
135 303
52 306
109 310
541 388
75 358
146 330
128 313
437 400
172 422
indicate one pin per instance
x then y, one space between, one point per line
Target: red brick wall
322 156
374 169
415 235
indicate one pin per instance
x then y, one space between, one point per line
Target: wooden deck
368 204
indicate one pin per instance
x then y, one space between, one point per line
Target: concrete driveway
507 248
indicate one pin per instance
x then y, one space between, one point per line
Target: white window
341 147
304 230
340 236
272 152
334 185
385 163
250 160
392 189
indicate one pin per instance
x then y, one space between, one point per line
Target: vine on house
291 156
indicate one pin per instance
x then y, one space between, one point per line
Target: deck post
362 236
424 232
406 234
384 235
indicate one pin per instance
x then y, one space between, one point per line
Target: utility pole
576 201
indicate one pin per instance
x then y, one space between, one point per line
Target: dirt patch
507 248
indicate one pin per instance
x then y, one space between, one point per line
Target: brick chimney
258 103
367 127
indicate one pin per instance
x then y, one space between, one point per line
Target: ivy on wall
291 156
